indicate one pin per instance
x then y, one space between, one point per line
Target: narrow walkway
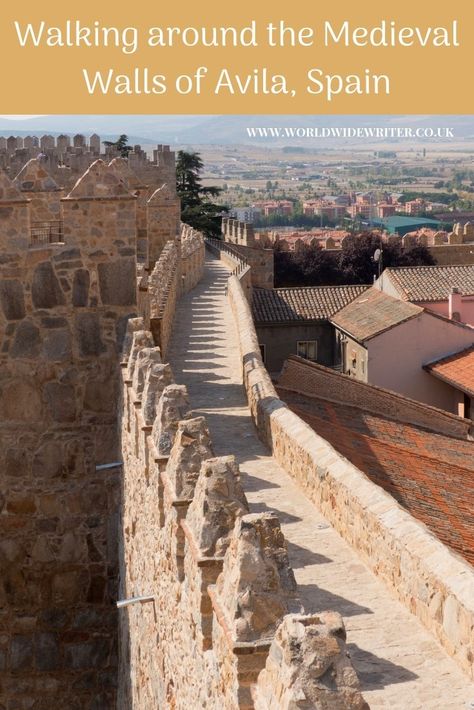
399 664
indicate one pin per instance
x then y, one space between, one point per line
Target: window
307 349
262 351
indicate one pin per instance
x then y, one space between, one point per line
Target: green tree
120 145
311 265
197 209
356 261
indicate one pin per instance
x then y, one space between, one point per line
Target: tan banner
243 57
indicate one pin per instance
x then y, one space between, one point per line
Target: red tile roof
431 283
373 313
456 370
428 473
283 305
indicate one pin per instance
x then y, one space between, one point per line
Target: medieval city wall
64 308
68 288
66 158
211 615
235 262
240 235
192 257
431 581
452 254
179 267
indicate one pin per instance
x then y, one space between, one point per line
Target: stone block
218 501
27 341
57 345
172 407
192 446
158 377
22 652
100 395
80 288
12 299
117 282
146 357
47 653
46 291
308 667
256 587
48 460
140 339
89 335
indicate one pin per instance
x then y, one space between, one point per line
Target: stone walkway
399 664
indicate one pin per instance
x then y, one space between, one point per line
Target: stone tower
38 186
163 210
64 307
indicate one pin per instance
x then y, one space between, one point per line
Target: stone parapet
178 269
434 583
192 257
218 579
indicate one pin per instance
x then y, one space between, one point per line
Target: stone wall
235 262
178 269
452 254
64 309
163 220
192 258
431 581
305 377
163 290
44 194
220 626
242 238
66 159
63 313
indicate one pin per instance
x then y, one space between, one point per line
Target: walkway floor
399 664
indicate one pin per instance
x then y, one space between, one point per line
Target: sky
21 118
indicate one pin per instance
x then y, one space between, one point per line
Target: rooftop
373 313
283 305
430 283
456 369
429 473
396 221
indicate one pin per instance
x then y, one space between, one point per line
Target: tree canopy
197 209
354 263
121 145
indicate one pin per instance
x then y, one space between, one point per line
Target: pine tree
196 207
120 145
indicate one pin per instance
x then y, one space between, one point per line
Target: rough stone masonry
68 287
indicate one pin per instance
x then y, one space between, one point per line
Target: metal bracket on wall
103 466
134 600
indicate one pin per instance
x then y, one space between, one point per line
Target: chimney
455 304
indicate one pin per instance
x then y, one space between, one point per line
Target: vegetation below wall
354 263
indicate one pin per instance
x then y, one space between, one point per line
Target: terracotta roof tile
373 313
431 283
428 473
283 305
456 369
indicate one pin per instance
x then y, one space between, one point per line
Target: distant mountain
232 129
151 129
221 129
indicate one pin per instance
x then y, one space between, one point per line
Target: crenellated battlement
241 237
220 580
